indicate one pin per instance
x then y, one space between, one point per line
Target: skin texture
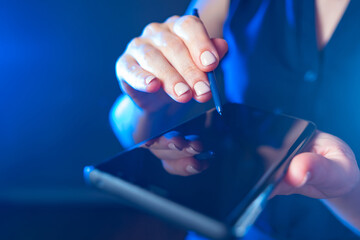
328 16
169 53
327 169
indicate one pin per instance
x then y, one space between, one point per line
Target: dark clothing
273 63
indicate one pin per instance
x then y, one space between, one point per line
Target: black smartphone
247 152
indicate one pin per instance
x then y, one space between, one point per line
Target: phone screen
245 150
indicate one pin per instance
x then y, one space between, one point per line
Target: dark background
57 85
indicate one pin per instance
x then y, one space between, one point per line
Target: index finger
193 33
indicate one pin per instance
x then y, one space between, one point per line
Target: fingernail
306 179
207 58
181 88
172 146
149 79
191 150
201 88
190 169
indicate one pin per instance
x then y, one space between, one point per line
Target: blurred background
57 85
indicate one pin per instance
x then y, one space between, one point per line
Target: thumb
221 46
308 168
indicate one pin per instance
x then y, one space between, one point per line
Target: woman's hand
328 170
169 61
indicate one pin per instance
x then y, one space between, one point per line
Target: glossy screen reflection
242 151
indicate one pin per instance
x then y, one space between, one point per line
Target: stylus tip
218 109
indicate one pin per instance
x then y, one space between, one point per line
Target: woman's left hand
327 170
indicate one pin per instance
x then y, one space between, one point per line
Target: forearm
132 125
347 208
123 118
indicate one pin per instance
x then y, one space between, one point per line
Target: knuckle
139 75
123 63
148 52
142 50
172 19
187 22
171 41
152 28
127 71
135 42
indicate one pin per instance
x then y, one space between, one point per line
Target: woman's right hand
168 62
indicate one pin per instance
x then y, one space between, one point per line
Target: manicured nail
172 146
207 58
190 169
201 88
181 88
306 179
191 150
149 79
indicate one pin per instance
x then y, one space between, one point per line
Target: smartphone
247 152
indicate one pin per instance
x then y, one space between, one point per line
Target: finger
305 171
221 46
175 51
146 100
171 140
316 176
153 61
193 33
149 143
175 147
307 167
194 144
171 154
219 43
139 79
281 189
184 167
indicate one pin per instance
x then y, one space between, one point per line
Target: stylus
212 80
